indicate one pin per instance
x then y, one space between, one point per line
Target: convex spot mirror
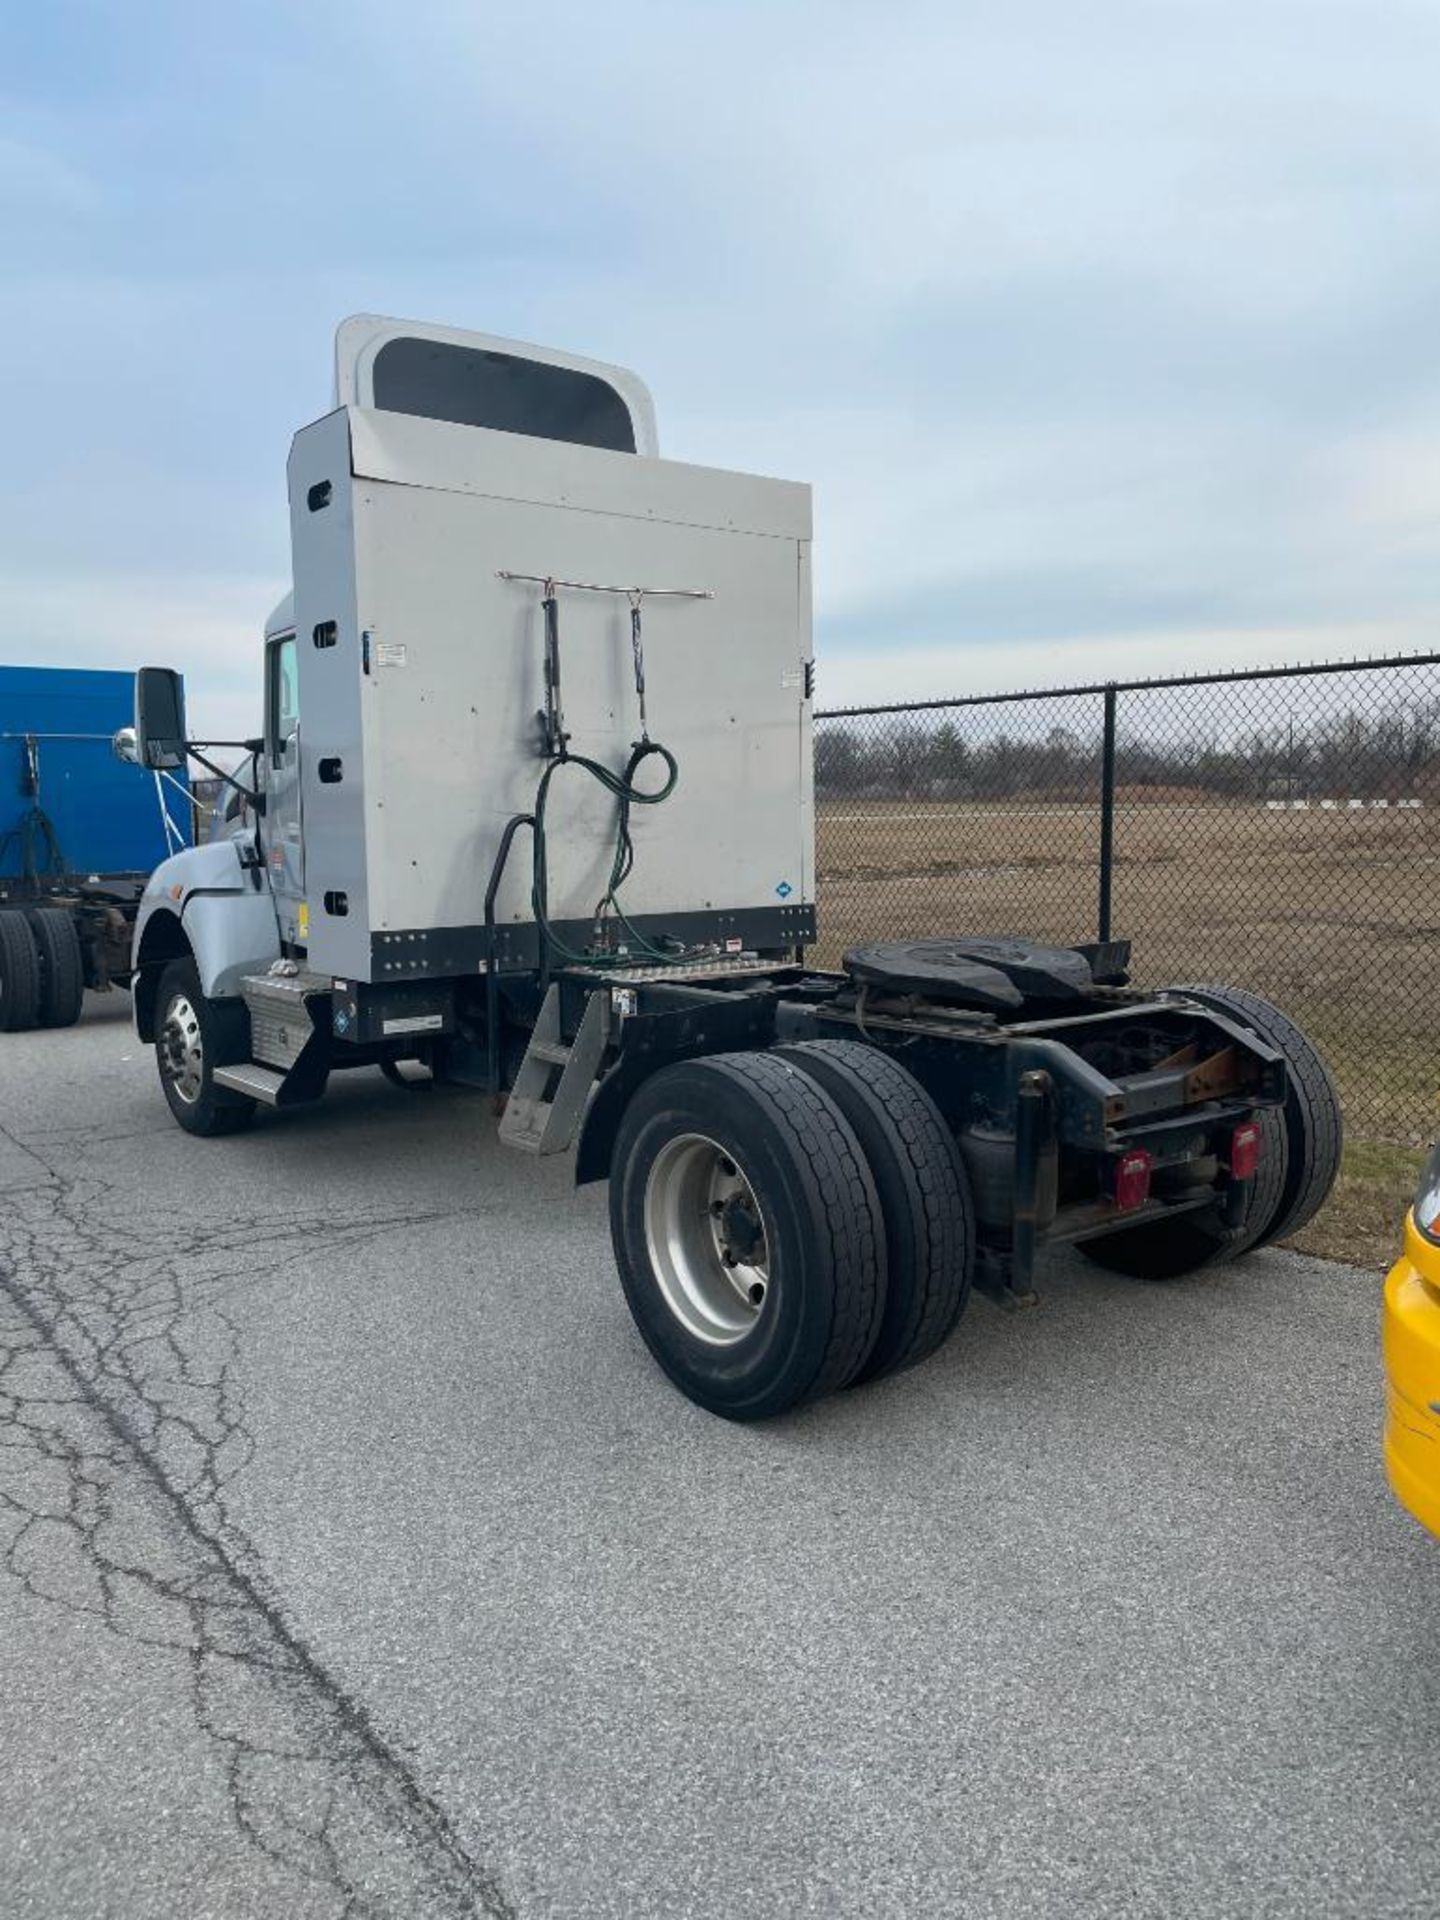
159 717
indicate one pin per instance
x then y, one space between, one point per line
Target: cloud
1103 333
941 672
208 625
34 179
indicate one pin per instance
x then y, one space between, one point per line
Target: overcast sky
1108 335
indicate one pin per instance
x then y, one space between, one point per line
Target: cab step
544 1111
248 1077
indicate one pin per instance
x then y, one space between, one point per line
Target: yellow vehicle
1412 1356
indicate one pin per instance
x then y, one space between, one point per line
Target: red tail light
1245 1146
1132 1179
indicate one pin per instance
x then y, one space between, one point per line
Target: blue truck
81 829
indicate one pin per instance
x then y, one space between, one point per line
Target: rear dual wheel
1310 1121
42 969
1300 1157
19 973
924 1196
62 967
778 1234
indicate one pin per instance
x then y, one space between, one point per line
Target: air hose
621 785
37 845
627 794
34 837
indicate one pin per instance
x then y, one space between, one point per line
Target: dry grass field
1334 915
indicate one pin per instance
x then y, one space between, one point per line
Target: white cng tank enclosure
453 463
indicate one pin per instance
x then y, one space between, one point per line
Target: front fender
231 934
223 913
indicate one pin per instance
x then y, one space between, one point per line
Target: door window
284 696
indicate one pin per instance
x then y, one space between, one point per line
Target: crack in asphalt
122 1426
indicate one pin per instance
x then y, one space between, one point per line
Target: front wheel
192 1036
748 1234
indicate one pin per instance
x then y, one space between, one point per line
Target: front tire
192 1036
748 1234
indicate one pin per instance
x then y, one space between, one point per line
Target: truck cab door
283 823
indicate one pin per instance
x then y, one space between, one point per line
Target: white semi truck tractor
534 806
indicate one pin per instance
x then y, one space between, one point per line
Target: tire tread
62 967
19 972
924 1305
803 1153
798 1106
1314 1123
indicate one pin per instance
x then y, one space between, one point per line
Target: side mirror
159 717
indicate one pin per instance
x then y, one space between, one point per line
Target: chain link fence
1278 831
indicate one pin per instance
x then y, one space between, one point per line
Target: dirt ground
1334 915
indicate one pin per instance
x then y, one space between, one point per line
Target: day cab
599 910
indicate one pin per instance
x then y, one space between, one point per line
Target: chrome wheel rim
707 1240
182 1052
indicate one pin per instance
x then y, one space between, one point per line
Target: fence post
1107 812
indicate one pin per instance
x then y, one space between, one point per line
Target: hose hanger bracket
552 718
549 582
554 739
637 649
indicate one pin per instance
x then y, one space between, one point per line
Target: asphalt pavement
358 1561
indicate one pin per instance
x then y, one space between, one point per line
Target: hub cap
706 1239
182 1053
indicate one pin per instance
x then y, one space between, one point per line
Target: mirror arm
252 794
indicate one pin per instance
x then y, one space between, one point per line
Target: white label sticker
793 677
414 1023
390 653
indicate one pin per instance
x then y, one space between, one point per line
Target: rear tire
923 1190
1299 1161
19 973
193 1036
62 967
1311 1118
395 1074
1169 1249
748 1234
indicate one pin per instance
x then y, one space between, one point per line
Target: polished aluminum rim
707 1240
182 1052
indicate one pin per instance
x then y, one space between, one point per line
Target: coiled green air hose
627 794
